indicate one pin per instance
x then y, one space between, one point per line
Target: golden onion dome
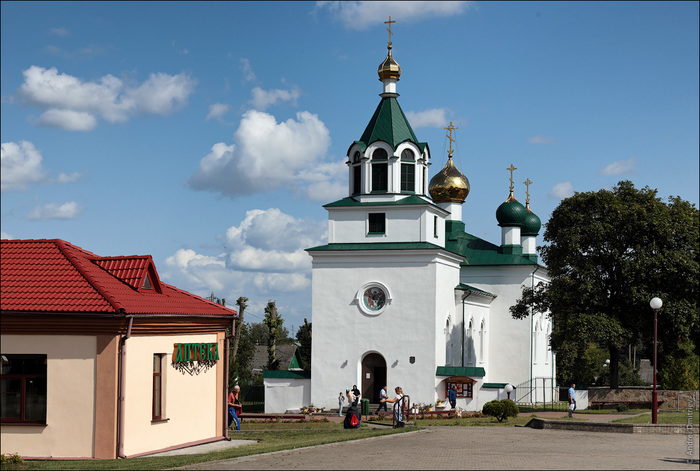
389 68
449 185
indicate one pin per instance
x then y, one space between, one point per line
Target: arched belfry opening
373 376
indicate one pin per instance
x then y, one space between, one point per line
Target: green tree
681 370
240 370
608 253
273 322
501 409
260 334
304 339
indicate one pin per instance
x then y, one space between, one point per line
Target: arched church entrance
373 376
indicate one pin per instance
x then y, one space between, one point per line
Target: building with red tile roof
70 390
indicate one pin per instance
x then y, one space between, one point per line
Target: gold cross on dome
389 28
511 168
449 136
527 190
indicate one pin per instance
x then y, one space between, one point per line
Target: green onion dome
511 213
532 224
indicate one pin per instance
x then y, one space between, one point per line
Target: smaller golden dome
449 185
389 68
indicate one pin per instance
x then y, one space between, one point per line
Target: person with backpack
353 417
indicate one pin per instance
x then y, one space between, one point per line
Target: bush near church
501 409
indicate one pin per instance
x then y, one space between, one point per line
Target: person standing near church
356 394
341 401
572 399
382 400
235 407
398 412
452 396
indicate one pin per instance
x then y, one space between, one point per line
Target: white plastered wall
287 394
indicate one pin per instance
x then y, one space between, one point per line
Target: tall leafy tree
608 253
273 322
304 339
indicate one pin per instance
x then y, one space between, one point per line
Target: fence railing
537 391
402 411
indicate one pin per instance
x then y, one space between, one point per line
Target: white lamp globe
509 388
656 303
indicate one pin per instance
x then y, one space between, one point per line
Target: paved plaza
483 448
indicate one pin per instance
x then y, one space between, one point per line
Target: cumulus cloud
621 167
262 258
22 165
561 190
363 14
217 111
75 105
59 31
264 98
540 139
268 155
69 210
432 118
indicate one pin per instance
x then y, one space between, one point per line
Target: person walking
235 407
572 399
341 401
382 400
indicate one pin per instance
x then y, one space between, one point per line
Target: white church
403 296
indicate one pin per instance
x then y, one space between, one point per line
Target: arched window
448 342
534 342
482 340
470 343
380 170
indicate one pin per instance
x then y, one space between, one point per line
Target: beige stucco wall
190 400
70 408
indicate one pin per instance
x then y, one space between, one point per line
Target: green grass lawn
675 418
270 437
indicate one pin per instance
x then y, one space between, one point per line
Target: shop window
357 180
158 387
23 389
377 223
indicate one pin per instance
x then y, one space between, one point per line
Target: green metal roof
463 287
376 246
389 124
460 371
284 374
478 252
350 201
494 385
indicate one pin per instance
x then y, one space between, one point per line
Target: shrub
13 458
501 409
622 408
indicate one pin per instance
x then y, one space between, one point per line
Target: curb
664 429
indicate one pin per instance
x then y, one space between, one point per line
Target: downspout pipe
469 293
122 379
227 366
532 321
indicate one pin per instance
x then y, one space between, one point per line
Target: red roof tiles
56 276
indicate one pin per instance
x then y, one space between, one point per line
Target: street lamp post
655 304
509 389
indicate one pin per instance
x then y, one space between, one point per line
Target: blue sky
210 134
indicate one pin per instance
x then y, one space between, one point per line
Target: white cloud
247 70
69 210
561 190
72 104
621 167
263 258
540 139
264 98
68 120
5 235
21 165
361 15
217 111
432 118
59 31
268 155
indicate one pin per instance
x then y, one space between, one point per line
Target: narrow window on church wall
376 223
380 177
408 178
357 180
481 343
470 344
